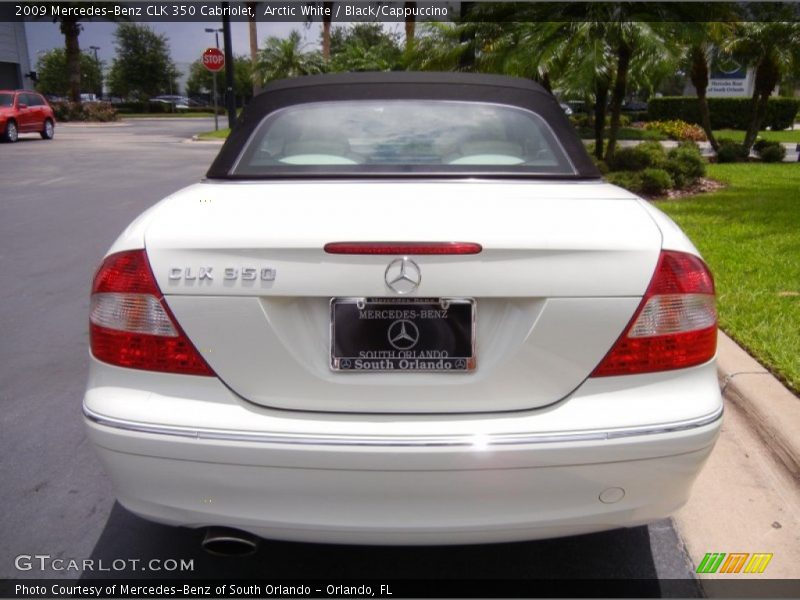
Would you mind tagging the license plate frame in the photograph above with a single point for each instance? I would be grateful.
(404, 335)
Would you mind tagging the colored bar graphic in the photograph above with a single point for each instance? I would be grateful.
(710, 562)
(758, 562)
(713, 562)
(734, 563)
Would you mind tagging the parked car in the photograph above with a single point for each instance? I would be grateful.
(179, 102)
(22, 111)
(403, 308)
(634, 106)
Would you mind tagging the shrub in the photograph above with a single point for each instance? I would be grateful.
(690, 146)
(655, 181)
(636, 158)
(85, 111)
(629, 180)
(678, 130)
(685, 165)
(730, 151)
(761, 143)
(726, 113)
(773, 152)
(656, 155)
(600, 164)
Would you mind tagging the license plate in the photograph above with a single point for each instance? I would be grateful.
(408, 335)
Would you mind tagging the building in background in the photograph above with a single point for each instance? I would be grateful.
(185, 69)
(14, 62)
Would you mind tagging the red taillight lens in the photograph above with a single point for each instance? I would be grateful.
(403, 248)
(131, 326)
(675, 325)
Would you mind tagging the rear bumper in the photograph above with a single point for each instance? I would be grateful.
(404, 491)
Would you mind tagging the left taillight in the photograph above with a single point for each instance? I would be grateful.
(131, 326)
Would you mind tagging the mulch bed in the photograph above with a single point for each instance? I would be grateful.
(701, 186)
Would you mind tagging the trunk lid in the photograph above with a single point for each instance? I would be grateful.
(562, 271)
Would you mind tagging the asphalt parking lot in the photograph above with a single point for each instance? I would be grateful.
(63, 203)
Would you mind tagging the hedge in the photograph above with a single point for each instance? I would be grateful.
(726, 113)
(84, 111)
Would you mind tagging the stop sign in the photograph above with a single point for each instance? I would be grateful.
(213, 59)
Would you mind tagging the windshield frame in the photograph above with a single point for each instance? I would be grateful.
(404, 85)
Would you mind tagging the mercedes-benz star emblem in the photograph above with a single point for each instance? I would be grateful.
(403, 275)
(403, 334)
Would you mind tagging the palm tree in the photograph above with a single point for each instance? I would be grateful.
(771, 48)
(327, 17)
(364, 47)
(71, 29)
(253, 31)
(637, 45)
(284, 57)
(700, 38)
(436, 48)
(411, 25)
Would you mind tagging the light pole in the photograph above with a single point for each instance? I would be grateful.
(99, 70)
(214, 76)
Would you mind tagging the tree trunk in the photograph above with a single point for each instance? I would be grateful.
(71, 30)
(254, 48)
(326, 30)
(767, 76)
(601, 97)
(618, 96)
(466, 61)
(699, 76)
(411, 26)
(544, 81)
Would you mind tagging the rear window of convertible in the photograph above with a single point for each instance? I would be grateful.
(402, 136)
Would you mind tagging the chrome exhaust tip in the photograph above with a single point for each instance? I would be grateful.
(222, 541)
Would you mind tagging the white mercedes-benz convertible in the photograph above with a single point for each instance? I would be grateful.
(403, 308)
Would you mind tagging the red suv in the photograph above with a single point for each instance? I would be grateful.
(25, 112)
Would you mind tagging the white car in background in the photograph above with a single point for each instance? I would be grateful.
(403, 308)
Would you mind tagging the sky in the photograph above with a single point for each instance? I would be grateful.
(186, 40)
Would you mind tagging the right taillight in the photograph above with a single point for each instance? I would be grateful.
(675, 325)
(131, 326)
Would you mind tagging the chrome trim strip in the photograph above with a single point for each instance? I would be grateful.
(510, 439)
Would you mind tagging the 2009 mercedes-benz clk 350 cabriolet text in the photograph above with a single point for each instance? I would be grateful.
(403, 308)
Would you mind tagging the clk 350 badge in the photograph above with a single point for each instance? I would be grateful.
(227, 274)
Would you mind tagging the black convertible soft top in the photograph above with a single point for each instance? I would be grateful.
(403, 85)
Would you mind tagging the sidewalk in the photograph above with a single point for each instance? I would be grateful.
(747, 497)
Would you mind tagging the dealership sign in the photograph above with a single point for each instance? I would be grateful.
(729, 77)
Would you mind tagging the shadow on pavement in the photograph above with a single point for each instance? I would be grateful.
(618, 554)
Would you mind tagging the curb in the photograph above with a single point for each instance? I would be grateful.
(91, 124)
(196, 138)
(773, 410)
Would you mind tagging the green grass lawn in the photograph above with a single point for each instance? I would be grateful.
(214, 135)
(750, 235)
(790, 135)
